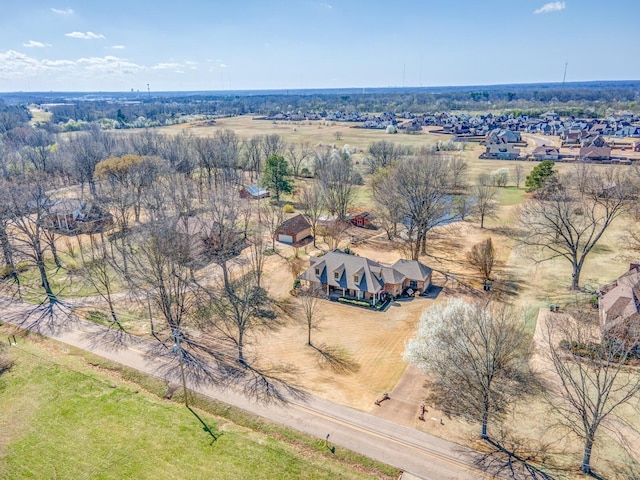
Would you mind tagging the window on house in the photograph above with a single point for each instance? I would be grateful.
(413, 284)
(317, 271)
(336, 275)
(356, 278)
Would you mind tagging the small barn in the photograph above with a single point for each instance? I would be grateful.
(254, 192)
(364, 220)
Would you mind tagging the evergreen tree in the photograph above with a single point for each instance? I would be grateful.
(277, 176)
(539, 174)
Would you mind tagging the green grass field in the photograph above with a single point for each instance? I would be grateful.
(511, 196)
(61, 418)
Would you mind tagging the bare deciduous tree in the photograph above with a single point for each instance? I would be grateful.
(271, 217)
(518, 174)
(334, 232)
(240, 307)
(592, 376)
(253, 156)
(458, 170)
(563, 222)
(273, 145)
(297, 154)
(486, 204)
(383, 154)
(338, 182)
(99, 272)
(476, 355)
(482, 257)
(29, 214)
(312, 205)
(311, 303)
(417, 191)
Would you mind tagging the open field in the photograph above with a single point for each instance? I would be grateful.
(63, 418)
(39, 115)
(322, 133)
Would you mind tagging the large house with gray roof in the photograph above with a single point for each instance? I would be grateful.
(346, 275)
(619, 307)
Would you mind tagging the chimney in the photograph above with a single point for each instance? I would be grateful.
(634, 265)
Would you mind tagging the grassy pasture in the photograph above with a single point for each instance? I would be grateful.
(62, 418)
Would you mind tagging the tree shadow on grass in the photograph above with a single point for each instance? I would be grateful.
(337, 359)
(514, 458)
(207, 363)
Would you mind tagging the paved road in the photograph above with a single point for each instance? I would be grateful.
(424, 456)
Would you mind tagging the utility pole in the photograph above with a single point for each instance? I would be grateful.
(149, 90)
(564, 77)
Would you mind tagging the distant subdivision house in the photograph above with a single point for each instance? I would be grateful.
(504, 136)
(595, 154)
(619, 308)
(342, 274)
(502, 151)
(254, 192)
(294, 230)
(72, 215)
(546, 153)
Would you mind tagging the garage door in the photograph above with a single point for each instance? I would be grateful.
(285, 238)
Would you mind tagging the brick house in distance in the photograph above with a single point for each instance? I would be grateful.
(619, 307)
(294, 230)
(351, 276)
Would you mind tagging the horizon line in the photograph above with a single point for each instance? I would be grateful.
(297, 89)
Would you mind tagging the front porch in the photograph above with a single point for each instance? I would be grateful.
(334, 293)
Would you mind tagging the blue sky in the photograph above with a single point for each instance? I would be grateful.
(95, 45)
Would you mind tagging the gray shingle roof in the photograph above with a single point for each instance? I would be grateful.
(412, 269)
(340, 270)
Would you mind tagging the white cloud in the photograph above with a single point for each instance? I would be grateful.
(167, 66)
(551, 7)
(66, 11)
(326, 5)
(16, 65)
(34, 44)
(85, 36)
(118, 47)
(222, 65)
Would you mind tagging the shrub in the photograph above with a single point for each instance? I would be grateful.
(288, 208)
(361, 303)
